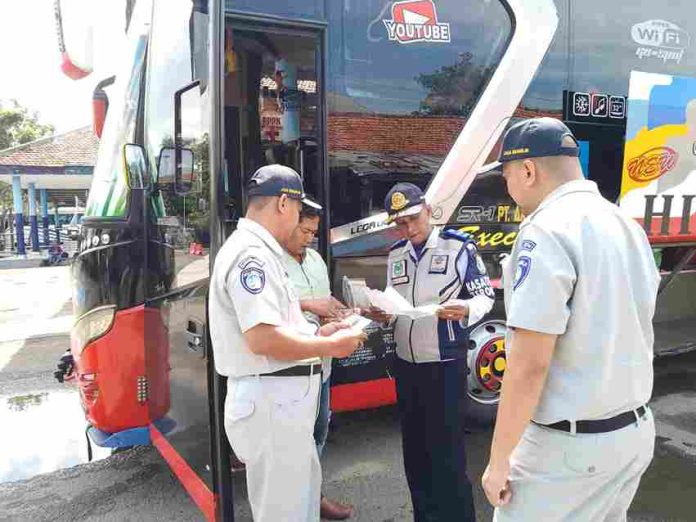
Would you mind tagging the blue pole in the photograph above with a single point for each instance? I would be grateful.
(33, 223)
(19, 213)
(57, 223)
(44, 215)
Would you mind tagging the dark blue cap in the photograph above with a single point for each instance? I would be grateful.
(404, 199)
(536, 138)
(276, 180)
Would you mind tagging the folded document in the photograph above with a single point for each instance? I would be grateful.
(390, 300)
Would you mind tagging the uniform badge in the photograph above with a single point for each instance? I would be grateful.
(398, 272)
(398, 201)
(398, 268)
(253, 279)
(524, 265)
(528, 245)
(438, 264)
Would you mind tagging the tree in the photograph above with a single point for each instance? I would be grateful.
(17, 126)
(453, 89)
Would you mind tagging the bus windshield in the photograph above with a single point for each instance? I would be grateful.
(108, 197)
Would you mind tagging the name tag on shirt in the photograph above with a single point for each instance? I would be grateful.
(438, 264)
(400, 280)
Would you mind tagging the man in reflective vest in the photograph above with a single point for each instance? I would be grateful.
(434, 266)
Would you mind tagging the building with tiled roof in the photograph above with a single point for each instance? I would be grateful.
(63, 164)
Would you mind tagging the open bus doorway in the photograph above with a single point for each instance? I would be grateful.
(272, 103)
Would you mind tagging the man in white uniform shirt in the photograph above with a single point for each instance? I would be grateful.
(268, 351)
(310, 278)
(573, 434)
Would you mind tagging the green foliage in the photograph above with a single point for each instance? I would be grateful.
(18, 125)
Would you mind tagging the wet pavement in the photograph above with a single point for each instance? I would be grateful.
(43, 474)
(48, 434)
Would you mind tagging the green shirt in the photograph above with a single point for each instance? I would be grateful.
(310, 280)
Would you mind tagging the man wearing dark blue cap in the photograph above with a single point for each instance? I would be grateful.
(270, 353)
(434, 266)
(573, 434)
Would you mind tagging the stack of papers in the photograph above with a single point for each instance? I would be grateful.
(390, 300)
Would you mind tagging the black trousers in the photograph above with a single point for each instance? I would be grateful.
(432, 401)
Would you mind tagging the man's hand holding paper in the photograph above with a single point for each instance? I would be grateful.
(453, 310)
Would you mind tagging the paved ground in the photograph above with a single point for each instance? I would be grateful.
(44, 475)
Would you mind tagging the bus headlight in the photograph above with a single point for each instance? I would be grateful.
(93, 325)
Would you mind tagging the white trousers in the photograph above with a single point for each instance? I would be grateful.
(556, 476)
(270, 424)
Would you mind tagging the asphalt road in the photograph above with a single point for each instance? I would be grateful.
(44, 476)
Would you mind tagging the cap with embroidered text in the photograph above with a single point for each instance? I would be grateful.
(536, 138)
(276, 180)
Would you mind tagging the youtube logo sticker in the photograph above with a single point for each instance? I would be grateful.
(416, 21)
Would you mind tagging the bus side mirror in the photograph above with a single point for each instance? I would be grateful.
(178, 170)
(136, 166)
(100, 105)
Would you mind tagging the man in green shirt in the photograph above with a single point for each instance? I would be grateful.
(310, 278)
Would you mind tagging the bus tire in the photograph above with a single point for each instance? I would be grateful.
(486, 365)
(480, 417)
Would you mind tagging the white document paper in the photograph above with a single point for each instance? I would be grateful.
(393, 303)
(358, 321)
(358, 294)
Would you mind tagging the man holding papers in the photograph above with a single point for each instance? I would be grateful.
(310, 279)
(440, 276)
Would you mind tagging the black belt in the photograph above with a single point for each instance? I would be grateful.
(600, 426)
(301, 370)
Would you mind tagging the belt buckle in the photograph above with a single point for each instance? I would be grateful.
(573, 430)
(638, 415)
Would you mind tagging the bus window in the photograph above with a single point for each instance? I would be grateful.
(108, 196)
(544, 97)
(610, 39)
(176, 118)
(398, 101)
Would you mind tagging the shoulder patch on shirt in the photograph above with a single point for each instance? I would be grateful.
(524, 265)
(253, 279)
(398, 244)
(528, 245)
(453, 233)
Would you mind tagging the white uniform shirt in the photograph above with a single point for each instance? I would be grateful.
(311, 281)
(448, 267)
(584, 271)
(249, 286)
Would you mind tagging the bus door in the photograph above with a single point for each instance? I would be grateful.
(273, 112)
(273, 108)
